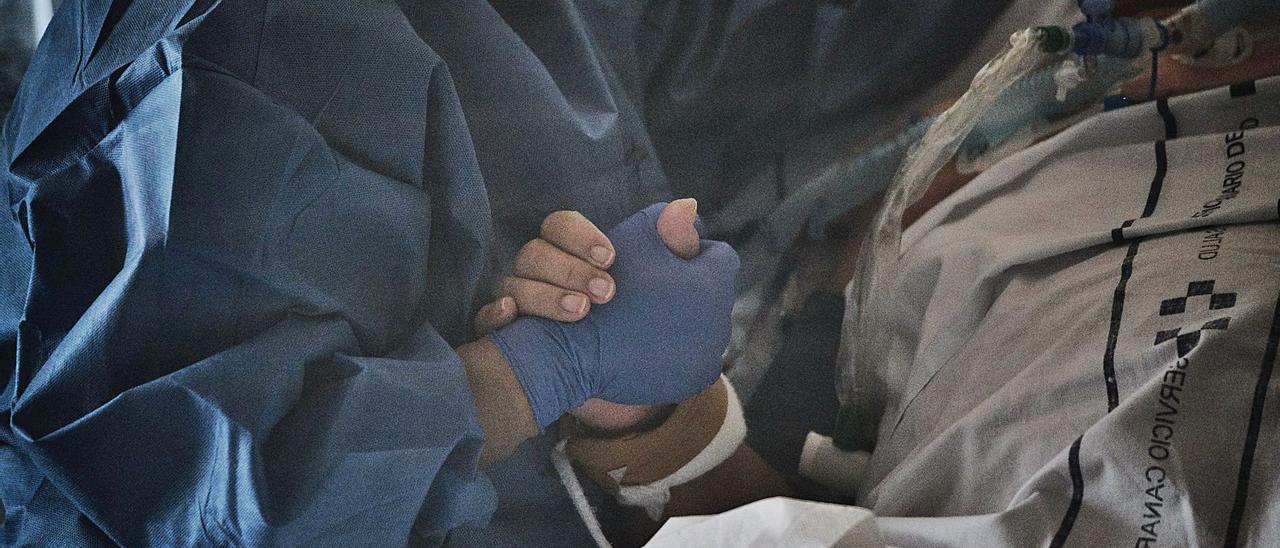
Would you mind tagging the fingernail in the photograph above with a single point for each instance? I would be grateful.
(601, 288)
(573, 303)
(601, 255)
(504, 306)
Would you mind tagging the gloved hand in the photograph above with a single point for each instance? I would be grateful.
(659, 340)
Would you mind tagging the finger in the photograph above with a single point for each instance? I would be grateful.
(570, 231)
(542, 261)
(675, 226)
(494, 315)
(535, 298)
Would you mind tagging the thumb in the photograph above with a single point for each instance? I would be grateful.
(675, 226)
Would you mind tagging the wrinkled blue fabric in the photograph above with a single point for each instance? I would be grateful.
(229, 340)
(241, 238)
(658, 341)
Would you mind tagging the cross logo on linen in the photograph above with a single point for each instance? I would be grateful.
(1178, 305)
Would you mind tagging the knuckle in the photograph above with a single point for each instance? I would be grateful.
(532, 297)
(576, 273)
(529, 256)
(529, 248)
(511, 287)
(558, 219)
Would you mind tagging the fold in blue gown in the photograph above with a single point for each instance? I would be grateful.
(243, 237)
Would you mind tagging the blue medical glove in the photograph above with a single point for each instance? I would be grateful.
(659, 340)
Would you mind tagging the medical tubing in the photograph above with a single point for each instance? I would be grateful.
(813, 208)
(870, 170)
(861, 382)
(573, 487)
(1118, 38)
(1034, 99)
(1126, 37)
(1122, 37)
(1054, 39)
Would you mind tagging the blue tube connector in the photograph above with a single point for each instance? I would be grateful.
(1121, 38)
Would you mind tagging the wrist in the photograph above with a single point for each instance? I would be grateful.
(641, 468)
(545, 364)
(604, 419)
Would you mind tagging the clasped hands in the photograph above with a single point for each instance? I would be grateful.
(610, 327)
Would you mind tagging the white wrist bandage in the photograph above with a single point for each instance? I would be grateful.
(641, 469)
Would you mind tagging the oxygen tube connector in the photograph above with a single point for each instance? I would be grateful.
(1123, 38)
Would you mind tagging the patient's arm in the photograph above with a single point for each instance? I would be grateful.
(742, 479)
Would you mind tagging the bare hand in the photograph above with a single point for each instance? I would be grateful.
(557, 276)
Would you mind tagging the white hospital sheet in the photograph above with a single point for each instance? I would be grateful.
(1088, 336)
(773, 522)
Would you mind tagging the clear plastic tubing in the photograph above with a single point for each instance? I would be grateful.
(862, 381)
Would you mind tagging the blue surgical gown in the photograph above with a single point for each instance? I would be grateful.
(243, 237)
